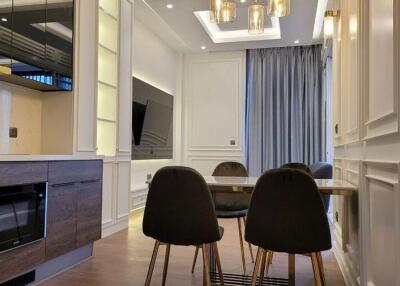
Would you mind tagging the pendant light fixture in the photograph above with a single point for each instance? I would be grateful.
(222, 11)
(256, 18)
(278, 8)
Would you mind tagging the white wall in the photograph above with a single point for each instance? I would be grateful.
(214, 102)
(161, 66)
(21, 108)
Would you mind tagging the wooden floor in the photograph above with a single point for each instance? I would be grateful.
(123, 258)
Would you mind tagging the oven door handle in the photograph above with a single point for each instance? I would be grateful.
(62, 185)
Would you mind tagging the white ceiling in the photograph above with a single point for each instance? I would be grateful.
(181, 28)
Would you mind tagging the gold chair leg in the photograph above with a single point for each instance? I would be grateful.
(316, 270)
(250, 248)
(195, 258)
(206, 265)
(217, 258)
(262, 270)
(292, 270)
(152, 263)
(165, 271)
(269, 255)
(256, 267)
(321, 268)
(241, 245)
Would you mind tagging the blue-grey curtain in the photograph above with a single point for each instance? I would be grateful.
(285, 108)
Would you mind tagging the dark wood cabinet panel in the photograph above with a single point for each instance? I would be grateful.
(61, 219)
(19, 173)
(74, 171)
(21, 259)
(89, 200)
(74, 209)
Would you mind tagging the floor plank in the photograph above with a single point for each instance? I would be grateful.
(122, 259)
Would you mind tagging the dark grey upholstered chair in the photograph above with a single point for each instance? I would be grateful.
(297, 166)
(180, 211)
(286, 214)
(323, 170)
(230, 205)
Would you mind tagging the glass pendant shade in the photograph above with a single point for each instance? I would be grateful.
(256, 19)
(222, 11)
(278, 8)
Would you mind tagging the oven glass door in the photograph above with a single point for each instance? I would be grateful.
(22, 214)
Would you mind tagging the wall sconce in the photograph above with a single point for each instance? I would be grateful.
(329, 23)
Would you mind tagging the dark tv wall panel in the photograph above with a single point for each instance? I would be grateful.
(152, 122)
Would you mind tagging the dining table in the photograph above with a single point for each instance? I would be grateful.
(335, 187)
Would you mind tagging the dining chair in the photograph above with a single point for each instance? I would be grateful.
(286, 214)
(323, 170)
(298, 166)
(231, 205)
(180, 211)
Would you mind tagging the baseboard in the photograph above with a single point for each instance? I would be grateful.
(62, 263)
(114, 228)
(345, 266)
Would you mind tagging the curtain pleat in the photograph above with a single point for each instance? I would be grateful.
(284, 107)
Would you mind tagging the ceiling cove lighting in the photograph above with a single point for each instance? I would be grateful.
(222, 11)
(278, 8)
(329, 23)
(256, 18)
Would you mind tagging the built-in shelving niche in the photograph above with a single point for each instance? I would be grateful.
(107, 77)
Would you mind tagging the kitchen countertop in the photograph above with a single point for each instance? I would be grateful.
(21, 158)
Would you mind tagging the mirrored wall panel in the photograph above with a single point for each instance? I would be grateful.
(36, 43)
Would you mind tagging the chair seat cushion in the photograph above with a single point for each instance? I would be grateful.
(231, 214)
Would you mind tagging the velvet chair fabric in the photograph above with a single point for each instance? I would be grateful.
(286, 214)
(231, 205)
(323, 170)
(298, 166)
(179, 208)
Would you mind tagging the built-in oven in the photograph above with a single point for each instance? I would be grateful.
(23, 212)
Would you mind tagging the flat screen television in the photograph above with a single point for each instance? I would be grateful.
(152, 122)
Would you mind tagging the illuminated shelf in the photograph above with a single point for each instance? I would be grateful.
(107, 78)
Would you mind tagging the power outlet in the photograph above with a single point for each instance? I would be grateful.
(13, 132)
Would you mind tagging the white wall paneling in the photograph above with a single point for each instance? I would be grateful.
(85, 76)
(381, 36)
(214, 95)
(125, 86)
(114, 110)
(367, 152)
(381, 223)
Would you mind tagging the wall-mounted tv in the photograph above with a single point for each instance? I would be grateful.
(36, 43)
(152, 122)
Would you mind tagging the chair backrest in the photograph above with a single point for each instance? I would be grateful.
(321, 170)
(230, 201)
(297, 166)
(286, 214)
(179, 208)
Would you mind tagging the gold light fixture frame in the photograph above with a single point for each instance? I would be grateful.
(278, 8)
